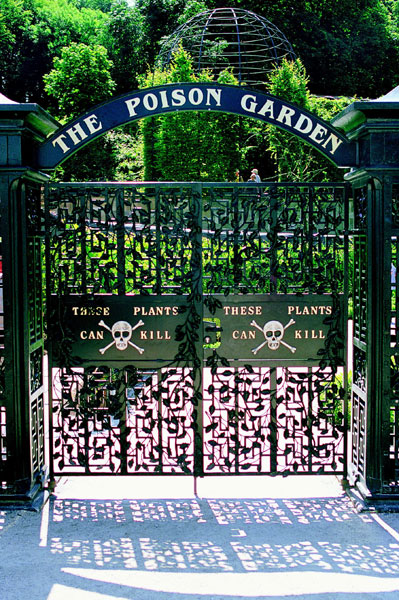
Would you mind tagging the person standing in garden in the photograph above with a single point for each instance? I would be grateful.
(237, 177)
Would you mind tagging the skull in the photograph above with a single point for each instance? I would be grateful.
(273, 332)
(121, 332)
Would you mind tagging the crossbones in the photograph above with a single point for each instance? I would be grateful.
(121, 331)
(273, 332)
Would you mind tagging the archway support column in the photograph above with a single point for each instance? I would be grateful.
(374, 458)
(22, 392)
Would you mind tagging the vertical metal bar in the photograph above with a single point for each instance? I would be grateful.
(121, 393)
(347, 274)
(384, 365)
(310, 419)
(373, 262)
(377, 440)
(272, 247)
(86, 449)
(236, 424)
(273, 421)
(197, 293)
(158, 257)
(18, 242)
(309, 231)
(49, 308)
(120, 241)
(235, 222)
(11, 342)
(162, 377)
(83, 241)
(273, 240)
(121, 286)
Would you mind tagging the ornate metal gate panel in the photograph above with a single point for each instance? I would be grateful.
(22, 389)
(197, 328)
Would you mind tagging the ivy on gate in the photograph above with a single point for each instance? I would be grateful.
(198, 412)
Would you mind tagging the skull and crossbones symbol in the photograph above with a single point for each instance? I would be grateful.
(273, 332)
(121, 332)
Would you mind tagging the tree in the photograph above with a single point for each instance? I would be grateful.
(190, 146)
(296, 160)
(348, 47)
(160, 19)
(15, 46)
(192, 8)
(127, 45)
(103, 5)
(80, 78)
(32, 33)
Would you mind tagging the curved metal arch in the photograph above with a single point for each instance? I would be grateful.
(202, 37)
(264, 24)
(238, 44)
(244, 31)
(193, 97)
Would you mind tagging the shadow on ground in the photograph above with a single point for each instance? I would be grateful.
(192, 549)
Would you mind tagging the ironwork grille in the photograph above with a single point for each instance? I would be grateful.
(360, 304)
(22, 406)
(34, 268)
(392, 480)
(3, 409)
(199, 412)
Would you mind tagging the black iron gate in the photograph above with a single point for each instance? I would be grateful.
(197, 328)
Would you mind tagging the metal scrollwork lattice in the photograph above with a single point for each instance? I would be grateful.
(200, 242)
(277, 239)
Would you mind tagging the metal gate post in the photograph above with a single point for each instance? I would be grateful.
(22, 436)
(374, 126)
(198, 348)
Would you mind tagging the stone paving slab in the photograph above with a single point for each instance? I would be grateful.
(301, 541)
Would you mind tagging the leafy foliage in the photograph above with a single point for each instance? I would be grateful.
(32, 33)
(126, 40)
(64, 82)
(161, 18)
(347, 47)
(190, 146)
(192, 8)
(295, 160)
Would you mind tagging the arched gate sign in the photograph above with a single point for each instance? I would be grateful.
(196, 97)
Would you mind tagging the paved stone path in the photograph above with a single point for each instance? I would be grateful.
(301, 541)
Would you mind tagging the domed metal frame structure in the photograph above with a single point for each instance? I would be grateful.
(230, 37)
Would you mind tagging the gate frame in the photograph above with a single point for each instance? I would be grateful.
(371, 132)
(374, 127)
(22, 128)
(76, 204)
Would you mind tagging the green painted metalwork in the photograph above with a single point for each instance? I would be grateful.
(202, 412)
(22, 435)
(116, 252)
(373, 458)
(173, 98)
